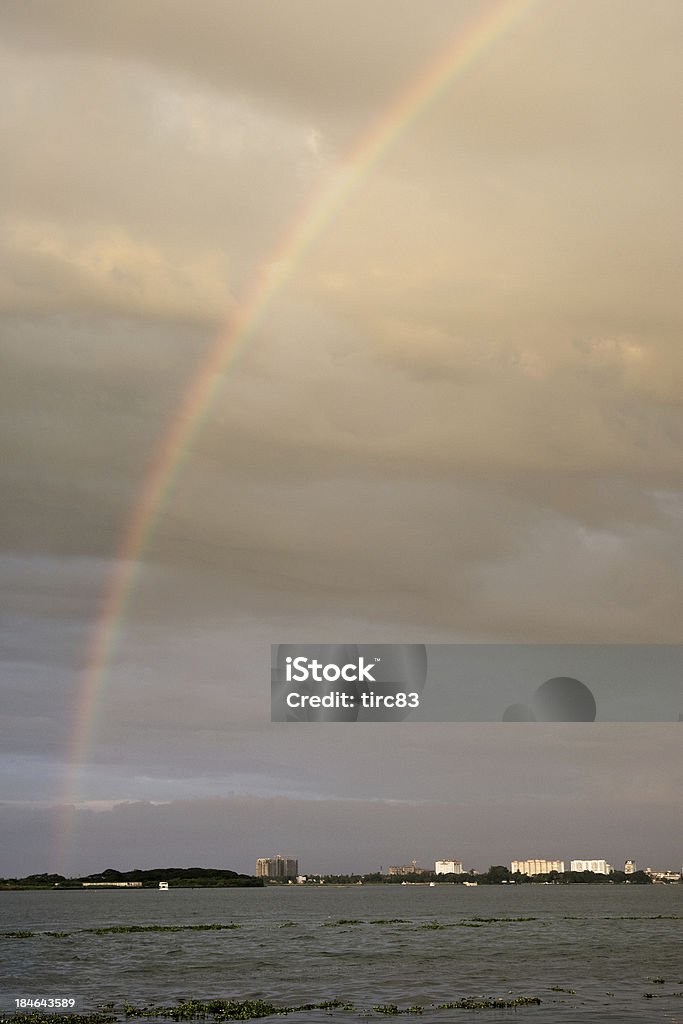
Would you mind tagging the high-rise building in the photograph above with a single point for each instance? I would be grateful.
(448, 867)
(536, 866)
(598, 867)
(407, 869)
(630, 867)
(278, 866)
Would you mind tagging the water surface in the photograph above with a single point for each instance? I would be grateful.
(608, 945)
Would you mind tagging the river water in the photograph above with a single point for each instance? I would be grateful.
(590, 953)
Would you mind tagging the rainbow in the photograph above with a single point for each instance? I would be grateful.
(461, 52)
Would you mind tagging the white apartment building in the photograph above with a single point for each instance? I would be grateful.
(630, 867)
(448, 867)
(536, 866)
(598, 867)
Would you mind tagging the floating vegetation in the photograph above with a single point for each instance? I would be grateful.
(499, 921)
(329, 1004)
(252, 1009)
(470, 1003)
(478, 922)
(58, 1018)
(388, 920)
(569, 991)
(391, 1010)
(226, 1009)
(219, 1009)
(435, 925)
(287, 924)
(120, 929)
(342, 921)
(657, 981)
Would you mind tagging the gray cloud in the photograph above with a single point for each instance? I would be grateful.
(460, 419)
(336, 835)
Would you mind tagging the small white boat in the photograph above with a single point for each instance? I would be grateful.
(163, 886)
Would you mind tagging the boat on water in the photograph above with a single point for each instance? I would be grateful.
(163, 886)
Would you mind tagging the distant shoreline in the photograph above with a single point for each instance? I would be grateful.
(223, 878)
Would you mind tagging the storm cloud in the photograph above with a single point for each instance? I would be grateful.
(459, 420)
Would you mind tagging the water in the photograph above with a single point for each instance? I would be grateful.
(607, 943)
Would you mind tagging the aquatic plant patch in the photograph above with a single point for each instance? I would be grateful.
(480, 922)
(119, 929)
(124, 929)
(218, 1010)
(484, 1003)
(59, 1018)
(391, 1010)
(225, 1009)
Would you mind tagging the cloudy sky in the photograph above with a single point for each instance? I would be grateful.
(459, 420)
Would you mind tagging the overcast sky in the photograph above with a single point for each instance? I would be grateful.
(460, 420)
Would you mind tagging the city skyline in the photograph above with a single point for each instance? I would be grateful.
(281, 868)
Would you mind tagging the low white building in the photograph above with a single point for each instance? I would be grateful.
(663, 876)
(598, 867)
(448, 867)
(536, 866)
(112, 885)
